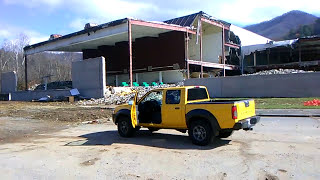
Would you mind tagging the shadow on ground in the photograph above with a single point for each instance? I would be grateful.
(144, 138)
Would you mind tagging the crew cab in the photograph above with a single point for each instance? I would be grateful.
(187, 108)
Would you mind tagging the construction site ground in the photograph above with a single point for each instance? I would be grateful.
(63, 141)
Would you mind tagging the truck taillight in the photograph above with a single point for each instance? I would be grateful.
(234, 112)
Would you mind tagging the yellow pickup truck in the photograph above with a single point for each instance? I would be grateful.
(187, 108)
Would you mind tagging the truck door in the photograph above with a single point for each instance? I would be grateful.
(134, 117)
(173, 110)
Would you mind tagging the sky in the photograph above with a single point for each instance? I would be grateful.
(40, 18)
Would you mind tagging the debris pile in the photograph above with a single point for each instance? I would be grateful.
(121, 95)
(278, 71)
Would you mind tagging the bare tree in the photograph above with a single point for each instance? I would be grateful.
(39, 65)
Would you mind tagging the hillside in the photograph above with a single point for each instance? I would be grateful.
(279, 27)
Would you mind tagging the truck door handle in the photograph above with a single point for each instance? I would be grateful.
(176, 108)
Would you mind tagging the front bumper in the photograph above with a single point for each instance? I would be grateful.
(247, 124)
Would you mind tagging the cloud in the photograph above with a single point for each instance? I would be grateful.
(251, 11)
(235, 11)
(9, 32)
(239, 12)
(34, 3)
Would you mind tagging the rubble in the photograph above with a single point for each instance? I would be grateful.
(277, 71)
(121, 95)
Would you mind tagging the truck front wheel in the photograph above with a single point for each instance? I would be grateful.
(125, 128)
(200, 132)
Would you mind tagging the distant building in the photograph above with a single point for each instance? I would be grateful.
(301, 53)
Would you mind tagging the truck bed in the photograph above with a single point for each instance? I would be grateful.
(222, 110)
(212, 101)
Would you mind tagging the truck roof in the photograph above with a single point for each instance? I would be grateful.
(181, 87)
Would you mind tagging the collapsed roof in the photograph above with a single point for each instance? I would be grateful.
(304, 41)
(116, 31)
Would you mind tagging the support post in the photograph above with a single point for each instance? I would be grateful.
(268, 56)
(187, 55)
(130, 50)
(223, 52)
(299, 53)
(117, 80)
(160, 77)
(201, 48)
(254, 58)
(137, 78)
(242, 63)
(26, 72)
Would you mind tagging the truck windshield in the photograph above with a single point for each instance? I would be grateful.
(197, 93)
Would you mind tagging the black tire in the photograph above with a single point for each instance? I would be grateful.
(137, 128)
(225, 134)
(200, 132)
(125, 128)
(152, 129)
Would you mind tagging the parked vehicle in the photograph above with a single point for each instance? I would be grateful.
(187, 108)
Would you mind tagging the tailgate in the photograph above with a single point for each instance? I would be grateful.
(245, 109)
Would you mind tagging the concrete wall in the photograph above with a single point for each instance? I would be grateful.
(89, 77)
(173, 76)
(35, 95)
(9, 82)
(283, 85)
(211, 44)
(169, 76)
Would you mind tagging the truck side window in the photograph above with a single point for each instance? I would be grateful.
(173, 97)
(197, 93)
(155, 96)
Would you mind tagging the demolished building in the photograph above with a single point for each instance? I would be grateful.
(302, 53)
(135, 51)
(138, 51)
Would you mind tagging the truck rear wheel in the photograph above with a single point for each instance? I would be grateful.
(125, 128)
(225, 134)
(200, 132)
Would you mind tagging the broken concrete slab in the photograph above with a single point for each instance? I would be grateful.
(9, 82)
(89, 77)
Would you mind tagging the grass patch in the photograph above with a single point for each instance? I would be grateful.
(279, 103)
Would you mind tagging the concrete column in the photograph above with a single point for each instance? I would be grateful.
(117, 80)
(160, 76)
(9, 82)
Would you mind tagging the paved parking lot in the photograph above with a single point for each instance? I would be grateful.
(277, 148)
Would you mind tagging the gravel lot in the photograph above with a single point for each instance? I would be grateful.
(277, 148)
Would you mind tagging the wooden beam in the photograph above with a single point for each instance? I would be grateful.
(130, 50)
(161, 26)
(212, 65)
(236, 46)
(187, 55)
(201, 68)
(218, 24)
(223, 52)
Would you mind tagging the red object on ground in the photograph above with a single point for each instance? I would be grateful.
(315, 102)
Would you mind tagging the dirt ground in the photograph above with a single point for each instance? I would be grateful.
(45, 147)
(25, 119)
